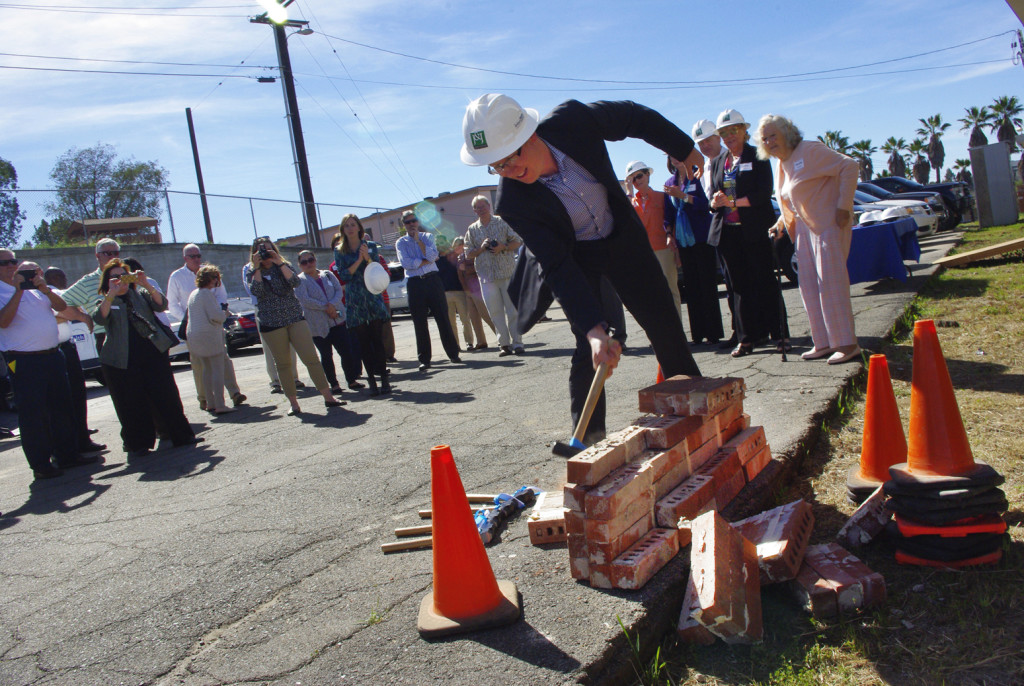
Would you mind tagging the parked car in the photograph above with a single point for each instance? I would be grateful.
(919, 211)
(398, 291)
(939, 205)
(240, 329)
(956, 193)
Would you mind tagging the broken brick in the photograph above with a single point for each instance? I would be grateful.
(688, 628)
(849, 582)
(691, 395)
(639, 563)
(547, 525)
(867, 521)
(688, 500)
(781, 536)
(572, 496)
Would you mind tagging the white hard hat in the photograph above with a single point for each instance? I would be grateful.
(705, 128)
(893, 213)
(635, 166)
(872, 217)
(376, 278)
(494, 127)
(730, 118)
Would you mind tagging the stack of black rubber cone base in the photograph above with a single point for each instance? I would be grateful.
(858, 487)
(946, 521)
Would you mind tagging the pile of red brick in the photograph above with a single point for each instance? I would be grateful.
(626, 494)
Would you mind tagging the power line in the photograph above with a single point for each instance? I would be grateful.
(108, 61)
(141, 11)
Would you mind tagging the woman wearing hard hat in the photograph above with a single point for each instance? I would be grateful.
(815, 191)
(650, 205)
(365, 310)
(741, 187)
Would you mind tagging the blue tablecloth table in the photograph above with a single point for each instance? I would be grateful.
(878, 251)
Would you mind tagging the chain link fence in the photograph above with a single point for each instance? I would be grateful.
(233, 219)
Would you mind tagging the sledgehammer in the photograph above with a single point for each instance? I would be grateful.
(575, 444)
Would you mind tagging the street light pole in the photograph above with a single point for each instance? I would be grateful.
(291, 107)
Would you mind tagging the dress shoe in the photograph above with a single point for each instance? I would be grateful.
(518, 350)
(238, 399)
(79, 461)
(137, 454)
(817, 353)
(276, 388)
(505, 351)
(336, 390)
(392, 359)
(455, 360)
(481, 346)
(355, 386)
(190, 441)
(222, 410)
(92, 447)
(335, 403)
(469, 347)
(48, 472)
(299, 384)
(93, 431)
(839, 357)
(424, 366)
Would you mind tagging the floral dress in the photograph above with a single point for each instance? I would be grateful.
(361, 306)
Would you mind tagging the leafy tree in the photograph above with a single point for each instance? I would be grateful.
(835, 140)
(51, 233)
(948, 177)
(93, 184)
(11, 214)
(920, 168)
(976, 119)
(932, 128)
(895, 147)
(862, 151)
(963, 171)
(1006, 111)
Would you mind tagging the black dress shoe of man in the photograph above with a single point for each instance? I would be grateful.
(92, 447)
(48, 472)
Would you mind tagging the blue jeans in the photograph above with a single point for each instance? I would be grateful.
(46, 416)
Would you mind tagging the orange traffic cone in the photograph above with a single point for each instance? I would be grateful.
(937, 444)
(660, 377)
(466, 595)
(884, 443)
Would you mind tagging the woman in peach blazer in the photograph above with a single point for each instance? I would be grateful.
(815, 187)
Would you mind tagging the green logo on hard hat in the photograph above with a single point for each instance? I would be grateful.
(727, 117)
(700, 132)
(478, 139)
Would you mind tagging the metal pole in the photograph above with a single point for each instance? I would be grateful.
(199, 175)
(167, 199)
(298, 144)
(253, 213)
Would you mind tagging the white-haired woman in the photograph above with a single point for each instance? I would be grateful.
(815, 189)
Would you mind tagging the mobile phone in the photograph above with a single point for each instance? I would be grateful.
(29, 275)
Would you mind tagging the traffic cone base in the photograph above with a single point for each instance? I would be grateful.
(980, 474)
(895, 490)
(432, 625)
(990, 559)
(981, 524)
(859, 487)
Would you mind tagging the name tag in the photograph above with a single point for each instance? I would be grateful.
(690, 187)
(115, 307)
(798, 165)
(747, 166)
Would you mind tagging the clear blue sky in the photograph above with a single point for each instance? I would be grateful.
(384, 129)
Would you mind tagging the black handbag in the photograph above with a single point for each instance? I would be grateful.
(183, 327)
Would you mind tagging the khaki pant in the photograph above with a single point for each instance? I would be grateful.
(227, 378)
(297, 336)
(667, 260)
(457, 305)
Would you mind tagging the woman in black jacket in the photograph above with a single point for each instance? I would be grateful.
(741, 194)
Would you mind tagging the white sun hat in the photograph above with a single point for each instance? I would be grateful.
(376, 278)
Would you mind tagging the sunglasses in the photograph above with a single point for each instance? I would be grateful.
(7, 263)
(407, 222)
(638, 175)
(308, 260)
(109, 253)
(194, 256)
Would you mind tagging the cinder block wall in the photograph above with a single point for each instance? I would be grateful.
(160, 260)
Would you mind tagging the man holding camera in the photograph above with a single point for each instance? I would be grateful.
(493, 244)
(82, 293)
(29, 339)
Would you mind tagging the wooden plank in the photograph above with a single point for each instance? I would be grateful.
(414, 530)
(980, 254)
(408, 544)
(426, 514)
(481, 498)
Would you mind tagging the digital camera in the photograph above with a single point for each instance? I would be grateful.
(129, 278)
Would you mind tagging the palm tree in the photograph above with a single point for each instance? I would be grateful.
(963, 171)
(863, 150)
(933, 127)
(921, 166)
(895, 147)
(976, 119)
(835, 140)
(1006, 119)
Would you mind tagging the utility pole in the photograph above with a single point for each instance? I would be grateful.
(291, 106)
(199, 177)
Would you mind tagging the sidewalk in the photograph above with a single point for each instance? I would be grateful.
(255, 558)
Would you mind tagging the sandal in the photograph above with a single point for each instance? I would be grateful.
(743, 349)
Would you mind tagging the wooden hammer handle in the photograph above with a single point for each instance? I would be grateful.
(592, 397)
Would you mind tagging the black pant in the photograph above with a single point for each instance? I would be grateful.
(371, 347)
(627, 261)
(700, 282)
(79, 399)
(426, 297)
(757, 299)
(146, 388)
(45, 412)
(338, 338)
(613, 312)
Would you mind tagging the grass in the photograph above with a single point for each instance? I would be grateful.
(937, 626)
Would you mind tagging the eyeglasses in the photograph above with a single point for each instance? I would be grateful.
(407, 222)
(499, 167)
(7, 263)
(732, 130)
(308, 260)
(109, 253)
(194, 256)
(638, 175)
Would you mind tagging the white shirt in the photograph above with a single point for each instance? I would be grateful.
(34, 327)
(179, 286)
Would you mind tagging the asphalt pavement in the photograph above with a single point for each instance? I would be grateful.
(255, 557)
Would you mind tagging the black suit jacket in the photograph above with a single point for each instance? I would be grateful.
(756, 185)
(538, 216)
